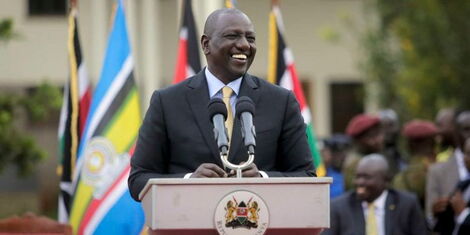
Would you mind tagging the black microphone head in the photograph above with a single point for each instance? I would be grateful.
(245, 104)
(217, 106)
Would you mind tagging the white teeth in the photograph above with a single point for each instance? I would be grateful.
(239, 56)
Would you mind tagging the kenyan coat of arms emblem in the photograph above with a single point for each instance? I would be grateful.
(241, 212)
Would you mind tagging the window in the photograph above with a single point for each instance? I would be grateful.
(47, 7)
(347, 100)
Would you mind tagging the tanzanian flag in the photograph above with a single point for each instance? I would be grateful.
(281, 71)
(102, 203)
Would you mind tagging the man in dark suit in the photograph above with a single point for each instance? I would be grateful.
(374, 208)
(176, 139)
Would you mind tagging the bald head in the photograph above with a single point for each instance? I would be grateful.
(212, 19)
(375, 162)
(371, 177)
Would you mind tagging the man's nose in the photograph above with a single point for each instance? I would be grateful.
(243, 43)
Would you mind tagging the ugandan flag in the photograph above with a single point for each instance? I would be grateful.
(76, 103)
(281, 71)
(102, 203)
(188, 62)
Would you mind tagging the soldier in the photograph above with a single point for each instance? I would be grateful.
(420, 138)
(368, 137)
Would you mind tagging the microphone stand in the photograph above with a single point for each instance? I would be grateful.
(237, 168)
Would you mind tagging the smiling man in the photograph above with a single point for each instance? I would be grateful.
(176, 139)
(373, 207)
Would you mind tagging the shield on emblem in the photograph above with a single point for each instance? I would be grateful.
(242, 212)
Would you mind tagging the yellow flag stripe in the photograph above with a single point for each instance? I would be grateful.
(73, 90)
(272, 53)
(122, 132)
(126, 123)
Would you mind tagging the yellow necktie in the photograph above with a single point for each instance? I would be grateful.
(371, 223)
(226, 94)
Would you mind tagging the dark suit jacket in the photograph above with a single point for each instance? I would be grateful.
(177, 134)
(464, 228)
(402, 216)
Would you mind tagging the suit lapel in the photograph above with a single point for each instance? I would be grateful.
(198, 98)
(358, 215)
(237, 150)
(390, 212)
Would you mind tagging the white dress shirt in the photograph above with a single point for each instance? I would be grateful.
(379, 204)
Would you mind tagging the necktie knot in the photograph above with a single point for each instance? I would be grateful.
(227, 92)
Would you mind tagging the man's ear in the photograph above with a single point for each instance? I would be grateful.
(205, 44)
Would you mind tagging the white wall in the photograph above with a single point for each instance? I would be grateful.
(41, 51)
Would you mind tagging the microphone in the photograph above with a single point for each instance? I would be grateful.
(218, 114)
(245, 111)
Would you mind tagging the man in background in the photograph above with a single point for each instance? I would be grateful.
(442, 177)
(373, 207)
(333, 153)
(420, 140)
(445, 122)
(391, 151)
(367, 136)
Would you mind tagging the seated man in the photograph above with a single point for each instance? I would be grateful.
(373, 207)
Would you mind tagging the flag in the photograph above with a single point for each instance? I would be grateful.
(188, 62)
(102, 203)
(230, 3)
(281, 71)
(76, 103)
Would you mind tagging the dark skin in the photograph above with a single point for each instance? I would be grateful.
(371, 141)
(229, 46)
(371, 178)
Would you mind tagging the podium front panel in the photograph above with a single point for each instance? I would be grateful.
(190, 204)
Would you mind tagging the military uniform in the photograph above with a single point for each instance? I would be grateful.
(413, 178)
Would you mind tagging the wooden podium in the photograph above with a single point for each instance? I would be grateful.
(237, 205)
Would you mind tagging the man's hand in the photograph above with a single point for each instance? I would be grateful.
(209, 170)
(251, 171)
(440, 205)
(457, 202)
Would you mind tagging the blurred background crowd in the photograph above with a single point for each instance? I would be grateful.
(427, 158)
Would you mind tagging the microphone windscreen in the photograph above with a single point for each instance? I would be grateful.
(217, 106)
(245, 104)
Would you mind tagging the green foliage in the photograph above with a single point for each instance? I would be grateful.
(6, 30)
(15, 147)
(418, 53)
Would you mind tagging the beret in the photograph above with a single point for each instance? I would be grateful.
(417, 129)
(361, 123)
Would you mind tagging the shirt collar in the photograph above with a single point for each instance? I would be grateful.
(215, 85)
(379, 202)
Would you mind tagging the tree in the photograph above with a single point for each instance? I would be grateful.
(16, 147)
(418, 53)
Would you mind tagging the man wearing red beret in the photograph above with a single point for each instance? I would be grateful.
(368, 137)
(420, 137)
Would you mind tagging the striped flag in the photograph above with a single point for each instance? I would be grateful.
(76, 103)
(281, 71)
(188, 62)
(102, 203)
